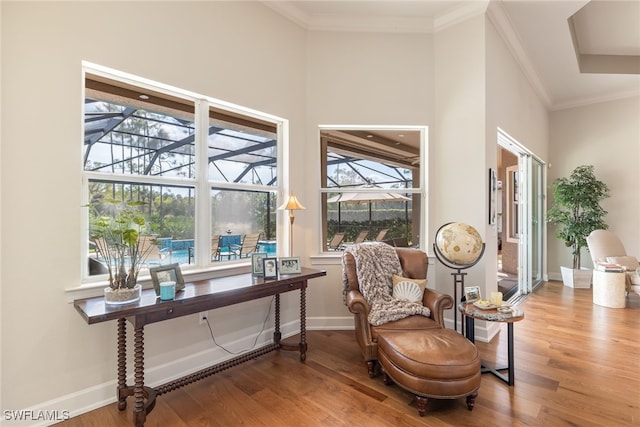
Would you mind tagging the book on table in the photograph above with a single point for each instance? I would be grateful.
(610, 268)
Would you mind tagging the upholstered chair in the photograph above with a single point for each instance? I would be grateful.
(606, 247)
(414, 265)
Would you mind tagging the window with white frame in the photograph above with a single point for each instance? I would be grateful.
(203, 173)
(372, 185)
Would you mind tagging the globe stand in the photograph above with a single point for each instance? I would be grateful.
(458, 279)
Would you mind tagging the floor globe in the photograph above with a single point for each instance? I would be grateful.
(459, 244)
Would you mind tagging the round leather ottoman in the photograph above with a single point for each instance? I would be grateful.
(437, 363)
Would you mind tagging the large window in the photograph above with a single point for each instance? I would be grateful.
(203, 173)
(371, 186)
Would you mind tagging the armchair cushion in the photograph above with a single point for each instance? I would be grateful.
(408, 289)
(376, 263)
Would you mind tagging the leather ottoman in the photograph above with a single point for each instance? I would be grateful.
(437, 363)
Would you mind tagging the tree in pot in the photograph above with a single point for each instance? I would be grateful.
(576, 212)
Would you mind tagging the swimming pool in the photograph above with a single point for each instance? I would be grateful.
(181, 256)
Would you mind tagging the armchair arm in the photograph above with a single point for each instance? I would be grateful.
(357, 304)
(360, 308)
(437, 302)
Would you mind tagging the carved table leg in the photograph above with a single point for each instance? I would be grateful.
(303, 322)
(277, 336)
(138, 389)
(122, 364)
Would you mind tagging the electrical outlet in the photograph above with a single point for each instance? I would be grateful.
(202, 317)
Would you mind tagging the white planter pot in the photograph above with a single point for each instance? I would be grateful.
(576, 278)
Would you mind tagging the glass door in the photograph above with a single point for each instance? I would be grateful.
(527, 183)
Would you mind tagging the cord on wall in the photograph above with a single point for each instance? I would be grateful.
(255, 342)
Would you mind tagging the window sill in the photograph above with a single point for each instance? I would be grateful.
(327, 258)
(96, 288)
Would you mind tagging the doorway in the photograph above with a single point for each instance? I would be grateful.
(521, 220)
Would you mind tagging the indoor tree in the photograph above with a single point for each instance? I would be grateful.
(576, 211)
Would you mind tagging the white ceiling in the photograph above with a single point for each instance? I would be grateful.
(536, 31)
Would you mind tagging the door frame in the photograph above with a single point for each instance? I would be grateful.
(531, 194)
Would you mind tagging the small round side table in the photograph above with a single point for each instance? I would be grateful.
(471, 312)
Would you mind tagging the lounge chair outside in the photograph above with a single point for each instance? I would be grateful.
(335, 243)
(248, 246)
(361, 236)
(381, 235)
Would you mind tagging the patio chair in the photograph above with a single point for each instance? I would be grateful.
(381, 235)
(249, 245)
(361, 236)
(335, 243)
(149, 248)
(215, 247)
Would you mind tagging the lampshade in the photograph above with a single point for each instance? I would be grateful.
(292, 204)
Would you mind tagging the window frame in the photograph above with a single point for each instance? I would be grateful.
(421, 189)
(203, 105)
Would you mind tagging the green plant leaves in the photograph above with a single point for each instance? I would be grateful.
(576, 211)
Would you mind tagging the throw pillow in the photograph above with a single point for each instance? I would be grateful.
(405, 288)
(628, 262)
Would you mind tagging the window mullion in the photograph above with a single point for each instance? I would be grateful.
(203, 188)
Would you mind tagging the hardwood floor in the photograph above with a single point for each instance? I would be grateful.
(577, 364)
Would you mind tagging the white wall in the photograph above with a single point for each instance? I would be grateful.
(607, 136)
(513, 106)
(358, 79)
(240, 52)
(458, 166)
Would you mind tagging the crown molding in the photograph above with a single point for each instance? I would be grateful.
(289, 11)
(583, 102)
(378, 24)
(504, 27)
(373, 24)
(459, 14)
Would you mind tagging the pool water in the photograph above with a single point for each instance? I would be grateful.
(181, 256)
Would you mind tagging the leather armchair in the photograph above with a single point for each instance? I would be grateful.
(414, 265)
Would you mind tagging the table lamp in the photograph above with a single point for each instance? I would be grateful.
(292, 204)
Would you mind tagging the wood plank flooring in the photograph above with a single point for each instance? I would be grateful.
(577, 364)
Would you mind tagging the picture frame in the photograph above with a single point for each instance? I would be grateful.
(493, 190)
(472, 294)
(289, 265)
(257, 267)
(270, 267)
(166, 273)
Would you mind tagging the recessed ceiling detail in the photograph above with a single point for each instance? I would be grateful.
(606, 37)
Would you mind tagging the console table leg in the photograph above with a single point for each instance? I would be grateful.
(510, 353)
(303, 322)
(277, 336)
(138, 389)
(122, 364)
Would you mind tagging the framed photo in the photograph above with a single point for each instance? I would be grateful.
(472, 293)
(166, 273)
(493, 190)
(257, 268)
(290, 265)
(270, 267)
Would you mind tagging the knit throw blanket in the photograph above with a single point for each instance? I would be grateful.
(376, 263)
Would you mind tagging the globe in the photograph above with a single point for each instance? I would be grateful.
(459, 243)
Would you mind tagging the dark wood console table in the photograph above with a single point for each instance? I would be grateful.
(196, 297)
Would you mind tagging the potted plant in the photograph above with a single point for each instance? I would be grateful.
(116, 230)
(576, 212)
